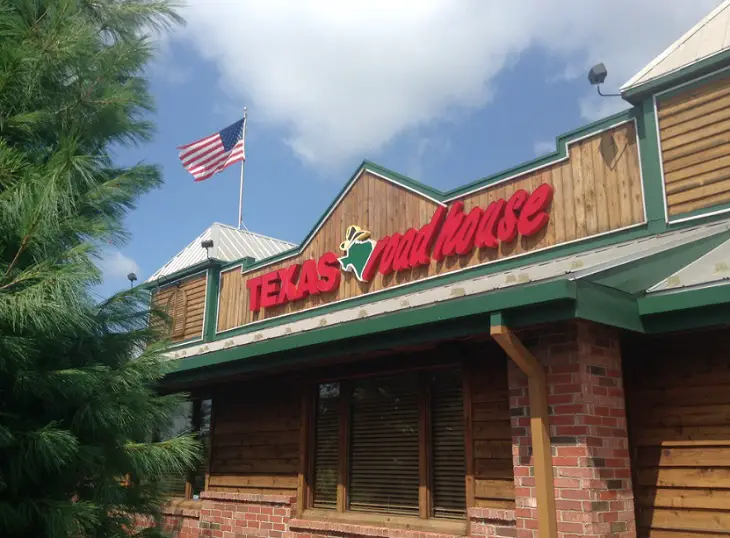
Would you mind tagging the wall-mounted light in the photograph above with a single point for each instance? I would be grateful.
(596, 76)
(132, 279)
(207, 244)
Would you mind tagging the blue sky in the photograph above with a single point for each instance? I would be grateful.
(444, 117)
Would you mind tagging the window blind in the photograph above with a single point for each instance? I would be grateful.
(384, 445)
(447, 437)
(325, 446)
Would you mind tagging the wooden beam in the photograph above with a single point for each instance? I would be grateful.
(305, 456)
(539, 427)
(344, 444)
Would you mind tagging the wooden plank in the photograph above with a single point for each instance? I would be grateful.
(469, 443)
(701, 203)
(493, 468)
(494, 489)
(487, 411)
(258, 426)
(498, 504)
(680, 435)
(305, 453)
(705, 109)
(604, 202)
(691, 520)
(261, 491)
(696, 144)
(492, 430)
(703, 499)
(493, 449)
(685, 478)
(267, 466)
(664, 533)
(692, 98)
(424, 452)
(256, 481)
(679, 396)
(695, 182)
(702, 133)
(685, 416)
(344, 444)
(696, 123)
(539, 427)
(711, 153)
(717, 456)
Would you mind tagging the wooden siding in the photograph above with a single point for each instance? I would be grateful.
(694, 128)
(194, 312)
(255, 440)
(598, 189)
(678, 390)
(491, 433)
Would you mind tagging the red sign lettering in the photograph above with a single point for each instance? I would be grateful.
(449, 233)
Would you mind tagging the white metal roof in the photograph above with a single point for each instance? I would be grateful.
(229, 244)
(572, 267)
(712, 268)
(708, 37)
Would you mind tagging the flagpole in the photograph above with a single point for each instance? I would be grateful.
(243, 164)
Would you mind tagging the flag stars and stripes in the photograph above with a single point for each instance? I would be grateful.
(208, 156)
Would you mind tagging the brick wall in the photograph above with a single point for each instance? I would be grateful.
(239, 515)
(588, 432)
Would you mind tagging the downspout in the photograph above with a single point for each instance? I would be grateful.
(539, 425)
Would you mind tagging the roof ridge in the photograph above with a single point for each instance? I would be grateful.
(252, 233)
(676, 45)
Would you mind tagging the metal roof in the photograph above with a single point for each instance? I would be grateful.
(575, 267)
(229, 244)
(708, 37)
(712, 268)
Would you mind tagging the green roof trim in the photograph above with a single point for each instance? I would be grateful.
(685, 299)
(696, 70)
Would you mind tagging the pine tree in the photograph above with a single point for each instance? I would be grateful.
(78, 406)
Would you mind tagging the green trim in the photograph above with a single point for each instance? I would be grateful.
(497, 319)
(651, 171)
(583, 245)
(440, 312)
(719, 75)
(697, 213)
(440, 196)
(211, 305)
(696, 70)
(696, 318)
(607, 306)
(681, 300)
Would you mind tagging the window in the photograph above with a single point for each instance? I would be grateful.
(193, 416)
(392, 445)
(176, 308)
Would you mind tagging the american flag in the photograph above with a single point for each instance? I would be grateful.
(208, 156)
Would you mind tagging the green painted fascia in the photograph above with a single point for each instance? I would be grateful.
(718, 74)
(561, 152)
(696, 70)
(637, 276)
(179, 275)
(534, 294)
(448, 278)
(211, 304)
(684, 320)
(608, 306)
(679, 300)
(651, 171)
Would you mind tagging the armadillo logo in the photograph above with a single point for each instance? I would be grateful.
(358, 250)
(450, 232)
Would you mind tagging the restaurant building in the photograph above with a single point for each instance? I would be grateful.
(543, 352)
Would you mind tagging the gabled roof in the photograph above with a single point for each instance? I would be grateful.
(229, 244)
(707, 38)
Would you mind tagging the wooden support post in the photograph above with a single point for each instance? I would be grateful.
(539, 426)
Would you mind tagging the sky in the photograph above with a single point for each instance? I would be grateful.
(443, 91)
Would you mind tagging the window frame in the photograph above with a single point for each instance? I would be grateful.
(425, 517)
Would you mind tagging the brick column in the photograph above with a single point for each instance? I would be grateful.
(587, 428)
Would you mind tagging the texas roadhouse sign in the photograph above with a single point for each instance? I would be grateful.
(452, 233)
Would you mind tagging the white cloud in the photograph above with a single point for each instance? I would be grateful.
(115, 265)
(346, 76)
(543, 147)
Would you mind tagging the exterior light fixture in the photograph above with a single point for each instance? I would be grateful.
(596, 76)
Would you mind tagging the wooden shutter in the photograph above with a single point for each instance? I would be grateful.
(326, 445)
(177, 306)
(447, 450)
(384, 445)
